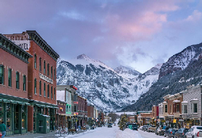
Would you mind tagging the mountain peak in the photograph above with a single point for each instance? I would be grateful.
(82, 56)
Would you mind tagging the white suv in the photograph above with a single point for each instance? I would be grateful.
(194, 132)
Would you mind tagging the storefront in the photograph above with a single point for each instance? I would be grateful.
(13, 111)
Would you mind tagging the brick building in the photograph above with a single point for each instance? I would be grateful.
(82, 111)
(41, 78)
(13, 86)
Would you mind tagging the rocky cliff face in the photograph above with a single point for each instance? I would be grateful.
(106, 88)
(181, 60)
(180, 71)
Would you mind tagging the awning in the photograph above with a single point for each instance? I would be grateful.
(164, 102)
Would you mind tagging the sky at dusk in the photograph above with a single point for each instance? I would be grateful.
(133, 33)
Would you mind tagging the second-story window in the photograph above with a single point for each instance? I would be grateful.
(24, 83)
(51, 92)
(54, 94)
(1, 74)
(17, 80)
(44, 92)
(47, 69)
(54, 74)
(166, 108)
(39, 87)
(44, 67)
(35, 61)
(51, 72)
(35, 83)
(185, 108)
(48, 91)
(177, 108)
(39, 64)
(195, 107)
(9, 77)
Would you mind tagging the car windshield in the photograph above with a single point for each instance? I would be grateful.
(181, 130)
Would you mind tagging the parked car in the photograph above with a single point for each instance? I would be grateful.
(151, 128)
(160, 130)
(144, 128)
(167, 132)
(172, 133)
(109, 125)
(181, 133)
(194, 132)
(133, 126)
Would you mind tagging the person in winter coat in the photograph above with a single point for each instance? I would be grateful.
(3, 129)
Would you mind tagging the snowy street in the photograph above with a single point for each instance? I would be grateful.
(114, 132)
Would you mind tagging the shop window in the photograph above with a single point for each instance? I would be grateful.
(39, 64)
(48, 91)
(1, 111)
(44, 67)
(47, 69)
(23, 117)
(44, 92)
(1, 74)
(9, 77)
(35, 58)
(17, 80)
(24, 83)
(39, 87)
(9, 118)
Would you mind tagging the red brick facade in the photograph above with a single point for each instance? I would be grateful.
(11, 62)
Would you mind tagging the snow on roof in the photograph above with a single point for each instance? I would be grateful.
(164, 102)
(176, 101)
(194, 99)
(184, 102)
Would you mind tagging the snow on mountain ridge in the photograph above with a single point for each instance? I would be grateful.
(100, 84)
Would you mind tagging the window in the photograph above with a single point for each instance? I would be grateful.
(39, 87)
(48, 91)
(51, 92)
(35, 86)
(51, 72)
(185, 108)
(177, 108)
(54, 74)
(35, 61)
(170, 108)
(44, 67)
(47, 69)
(54, 93)
(17, 80)
(166, 108)
(10, 77)
(39, 64)
(24, 83)
(1, 74)
(195, 107)
(44, 92)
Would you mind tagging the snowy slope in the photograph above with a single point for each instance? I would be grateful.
(104, 87)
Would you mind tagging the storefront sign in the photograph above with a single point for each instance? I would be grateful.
(24, 44)
(46, 78)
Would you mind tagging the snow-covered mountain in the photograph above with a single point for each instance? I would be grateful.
(106, 88)
(180, 60)
(180, 71)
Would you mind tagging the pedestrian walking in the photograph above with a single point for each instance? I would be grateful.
(3, 129)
